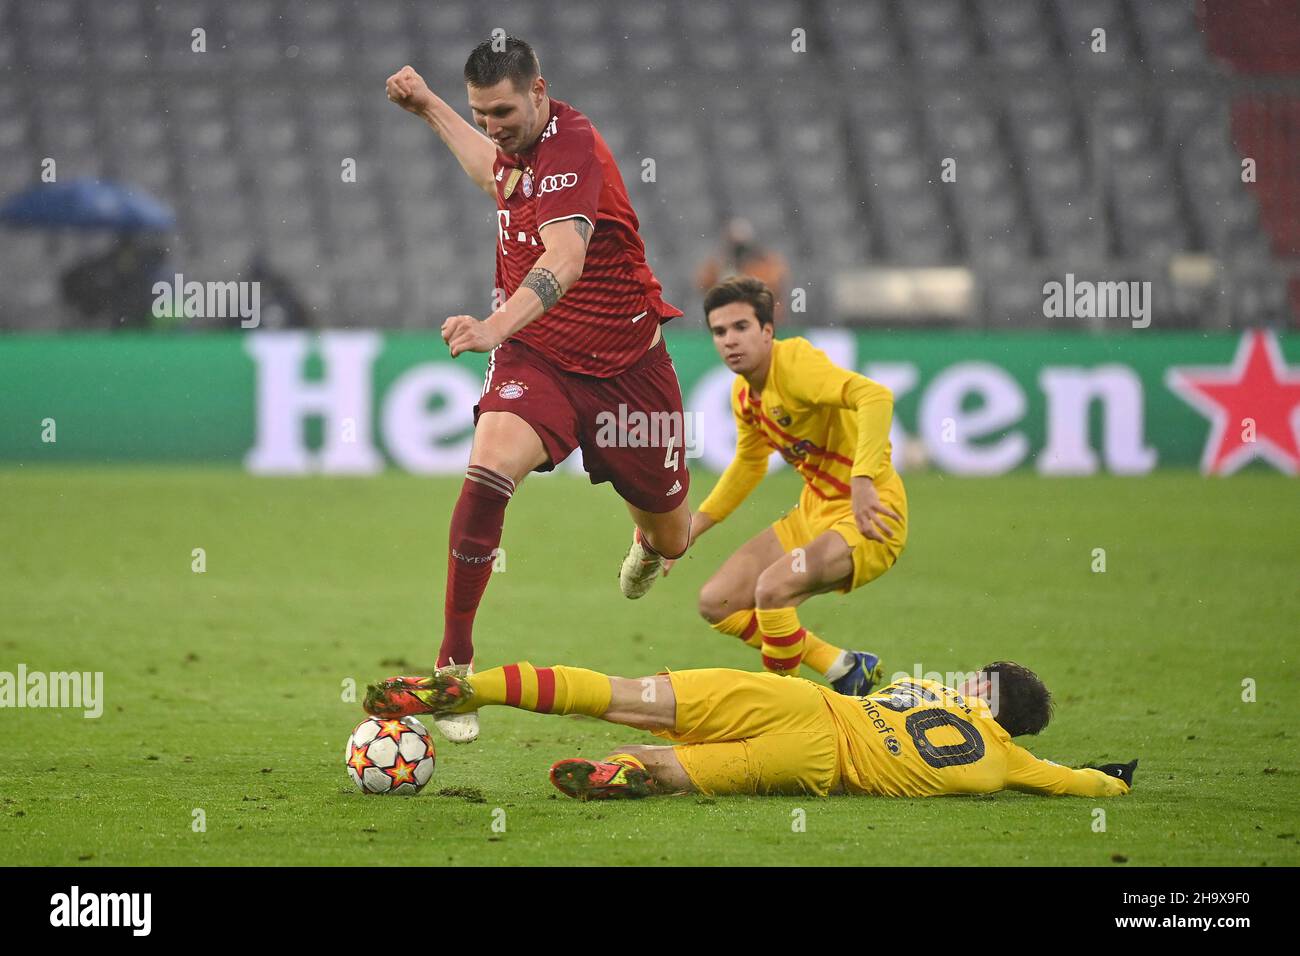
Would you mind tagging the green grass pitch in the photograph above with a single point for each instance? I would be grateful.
(223, 690)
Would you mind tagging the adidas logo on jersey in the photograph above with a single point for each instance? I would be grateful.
(677, 486)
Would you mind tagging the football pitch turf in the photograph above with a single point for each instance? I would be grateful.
(223, 690)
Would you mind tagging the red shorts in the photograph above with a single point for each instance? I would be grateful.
(630, 427)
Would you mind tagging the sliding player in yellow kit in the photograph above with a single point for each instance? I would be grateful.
(743, 733)
(850, 525)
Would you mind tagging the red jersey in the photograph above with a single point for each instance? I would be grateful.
(607, 320)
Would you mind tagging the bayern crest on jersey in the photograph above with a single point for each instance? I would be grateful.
(528, 186)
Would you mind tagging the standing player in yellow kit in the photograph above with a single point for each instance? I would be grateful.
(850, 525)
(743, 733)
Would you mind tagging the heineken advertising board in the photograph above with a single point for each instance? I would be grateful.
(360, 402)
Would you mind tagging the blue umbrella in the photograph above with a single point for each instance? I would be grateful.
(87, 204)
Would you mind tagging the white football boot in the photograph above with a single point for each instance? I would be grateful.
(640, 568)
(458, 728)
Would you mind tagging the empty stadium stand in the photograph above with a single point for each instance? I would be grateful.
(1124, 162)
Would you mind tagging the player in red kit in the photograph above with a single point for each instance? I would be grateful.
(576, 342)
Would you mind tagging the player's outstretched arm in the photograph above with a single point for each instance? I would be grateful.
(1123, 771)
(742, 475)
(473, 150)
(1027, 773)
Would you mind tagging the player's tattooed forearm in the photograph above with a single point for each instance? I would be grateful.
(583, 228)
(543, 282)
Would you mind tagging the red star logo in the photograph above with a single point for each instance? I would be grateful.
(391, 728)
(358, 760)
(401, 772)
(1252, 406)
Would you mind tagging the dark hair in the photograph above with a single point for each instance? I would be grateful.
(495, 60)
(741, 289)
(1021, 702)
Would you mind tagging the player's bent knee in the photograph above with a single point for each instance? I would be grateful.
(714, 604)
(775, 589)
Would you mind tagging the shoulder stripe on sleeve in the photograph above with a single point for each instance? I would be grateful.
(575, 215)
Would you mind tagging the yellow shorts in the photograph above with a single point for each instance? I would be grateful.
(813, 517)
(740, 732)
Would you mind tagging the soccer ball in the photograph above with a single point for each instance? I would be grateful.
(390, 755)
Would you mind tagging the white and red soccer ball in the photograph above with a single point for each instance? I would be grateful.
(390, 755)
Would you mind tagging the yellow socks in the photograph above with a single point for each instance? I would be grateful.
(741, 624)
(817, 654)
(547, 690)
(783, 639)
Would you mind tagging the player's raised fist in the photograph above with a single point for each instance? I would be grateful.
(408, 90)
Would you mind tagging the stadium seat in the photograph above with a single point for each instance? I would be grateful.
(1063, 155)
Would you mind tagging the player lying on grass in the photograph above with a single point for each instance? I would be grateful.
(575, 338)
(738, 732)
(850, 525)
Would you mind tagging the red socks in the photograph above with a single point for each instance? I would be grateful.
(475, 535)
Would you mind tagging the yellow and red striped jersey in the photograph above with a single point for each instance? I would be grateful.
(829, 423)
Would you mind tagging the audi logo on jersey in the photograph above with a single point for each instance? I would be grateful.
(550, 184)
